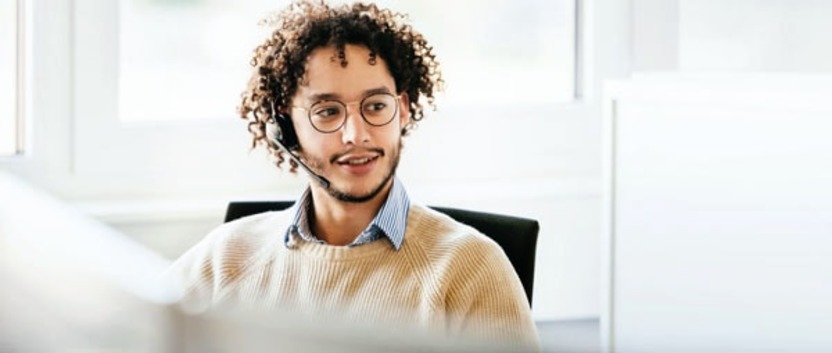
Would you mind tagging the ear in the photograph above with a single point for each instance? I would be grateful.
(404, 109)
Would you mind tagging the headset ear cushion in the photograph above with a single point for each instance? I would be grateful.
(287, 135)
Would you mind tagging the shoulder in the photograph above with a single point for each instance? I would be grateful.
(450, 246)
(439, 232)
(244, 236)
(225, 253)
(480, 291)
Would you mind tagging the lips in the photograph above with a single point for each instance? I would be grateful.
(356, 160)
(358, 164)
(357, 154)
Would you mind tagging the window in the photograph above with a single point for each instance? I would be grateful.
(188, 59)
(10, 65)
(156, 84)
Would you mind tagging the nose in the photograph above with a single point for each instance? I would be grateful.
(355, 130)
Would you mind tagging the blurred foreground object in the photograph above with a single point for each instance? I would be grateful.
(70, 282)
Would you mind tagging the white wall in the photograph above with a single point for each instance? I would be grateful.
(753, 35)
(715, 36)
(716, 198)
(719, 215)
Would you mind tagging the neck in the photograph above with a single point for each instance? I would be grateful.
(338, 222)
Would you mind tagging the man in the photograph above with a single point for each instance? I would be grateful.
(334, 89)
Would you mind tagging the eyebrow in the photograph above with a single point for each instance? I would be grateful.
(332, 96)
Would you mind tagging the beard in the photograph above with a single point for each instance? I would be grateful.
(316, 164)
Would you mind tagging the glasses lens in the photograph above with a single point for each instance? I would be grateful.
(378, 109)
(327, 116)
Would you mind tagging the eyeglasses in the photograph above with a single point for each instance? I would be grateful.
(328, 116)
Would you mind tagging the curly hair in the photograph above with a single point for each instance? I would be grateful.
(279, 62)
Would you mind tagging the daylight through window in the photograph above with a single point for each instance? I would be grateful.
(188, 59)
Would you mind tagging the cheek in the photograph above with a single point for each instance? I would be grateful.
(390, 134)
(307, 136)
(315, 144)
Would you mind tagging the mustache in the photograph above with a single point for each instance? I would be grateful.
(338, 156)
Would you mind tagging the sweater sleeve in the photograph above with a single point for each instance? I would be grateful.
(486, 300)
(194, 274)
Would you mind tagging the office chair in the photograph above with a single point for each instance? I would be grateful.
(517, 236)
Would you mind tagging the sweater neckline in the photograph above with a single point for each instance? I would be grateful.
(281, 219)
(348, 253)
(341, 252)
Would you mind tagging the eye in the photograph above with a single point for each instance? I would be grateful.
(326, 111)
(375, 106)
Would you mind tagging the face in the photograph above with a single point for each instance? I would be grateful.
(358, 159)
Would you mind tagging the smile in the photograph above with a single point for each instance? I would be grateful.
(359, 165)
(358, 161)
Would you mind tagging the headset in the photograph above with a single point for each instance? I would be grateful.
(285, 133)
(281, 132)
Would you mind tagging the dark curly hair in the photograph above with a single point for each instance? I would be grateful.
(279, 62)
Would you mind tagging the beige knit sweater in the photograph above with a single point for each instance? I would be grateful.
(446, 277)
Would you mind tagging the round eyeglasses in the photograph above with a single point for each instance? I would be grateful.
(328, 116)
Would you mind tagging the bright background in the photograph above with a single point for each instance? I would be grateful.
(132, 110)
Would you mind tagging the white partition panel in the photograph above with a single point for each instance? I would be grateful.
(718, 224)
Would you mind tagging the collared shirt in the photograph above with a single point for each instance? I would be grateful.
(389, 222)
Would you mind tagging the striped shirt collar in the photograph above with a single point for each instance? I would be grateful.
(389, 222)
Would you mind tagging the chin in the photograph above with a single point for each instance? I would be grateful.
(365, 194)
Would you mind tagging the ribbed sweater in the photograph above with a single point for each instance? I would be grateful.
(446, 277)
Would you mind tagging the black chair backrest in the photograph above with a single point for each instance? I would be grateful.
(517, 236)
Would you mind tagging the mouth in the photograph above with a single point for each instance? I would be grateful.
(357, 156)
(358, 164)
(358, 161)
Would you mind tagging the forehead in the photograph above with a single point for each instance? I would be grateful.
(326, 76)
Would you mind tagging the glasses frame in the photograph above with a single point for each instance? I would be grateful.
(346, 106)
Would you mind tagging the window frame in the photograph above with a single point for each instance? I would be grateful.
(22, 50)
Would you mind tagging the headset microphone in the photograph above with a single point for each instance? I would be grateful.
(275, 132)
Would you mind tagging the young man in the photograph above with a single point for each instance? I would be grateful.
(338, 87)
